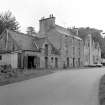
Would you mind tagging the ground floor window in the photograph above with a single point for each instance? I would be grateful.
(46, 62)
(73, 62)
(56, 62)
(0, 57)
(79, 61)
(67, 61)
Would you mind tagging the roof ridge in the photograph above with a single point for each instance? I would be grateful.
(20, 33)
(67, 32)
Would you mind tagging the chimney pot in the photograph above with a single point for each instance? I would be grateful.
(50, 16)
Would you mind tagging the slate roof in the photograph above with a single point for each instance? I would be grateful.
(27, 42)
(64, 31)
(24, 41)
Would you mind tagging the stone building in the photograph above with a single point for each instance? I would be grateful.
(26, 51)
(92, 51)
(53, 47)
(70, 46)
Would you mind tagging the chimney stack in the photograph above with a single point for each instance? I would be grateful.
(46, 23)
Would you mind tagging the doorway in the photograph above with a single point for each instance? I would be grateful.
(33, 62)
(30, 62)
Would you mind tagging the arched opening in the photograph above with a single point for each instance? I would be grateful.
(46, 49)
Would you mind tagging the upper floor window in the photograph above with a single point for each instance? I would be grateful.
(46, 49)
(51, 59)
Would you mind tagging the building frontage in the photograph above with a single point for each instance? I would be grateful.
(92, 51)
(54, 47)
(70, 46)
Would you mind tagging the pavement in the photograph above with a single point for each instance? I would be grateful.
(68, 87)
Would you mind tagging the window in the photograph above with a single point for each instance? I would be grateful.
(46, 62)
(46, 46)
(79, 61)
(67, 61)
(88, 44)
(0, 57)
(52, 59)
(46, 49)
(56, 62)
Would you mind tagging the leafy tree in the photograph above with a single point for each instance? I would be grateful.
(7, 21)
(96, 35)
(31, 30)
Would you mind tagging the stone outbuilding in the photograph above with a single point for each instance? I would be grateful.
(26, 51)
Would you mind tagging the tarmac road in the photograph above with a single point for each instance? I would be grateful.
(71, 87)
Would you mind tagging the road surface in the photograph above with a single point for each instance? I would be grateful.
(71, 87)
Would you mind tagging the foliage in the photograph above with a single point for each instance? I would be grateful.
(7, 21)
(83, 32)
(30, 30)
(96, 36)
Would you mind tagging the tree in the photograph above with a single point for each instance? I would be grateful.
(30, 30)
(7, 21)
(96, 36)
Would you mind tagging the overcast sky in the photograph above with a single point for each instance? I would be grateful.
(68, 13)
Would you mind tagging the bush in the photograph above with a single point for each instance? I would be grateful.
(6, 68)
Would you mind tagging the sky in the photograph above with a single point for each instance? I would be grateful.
(68, 13)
